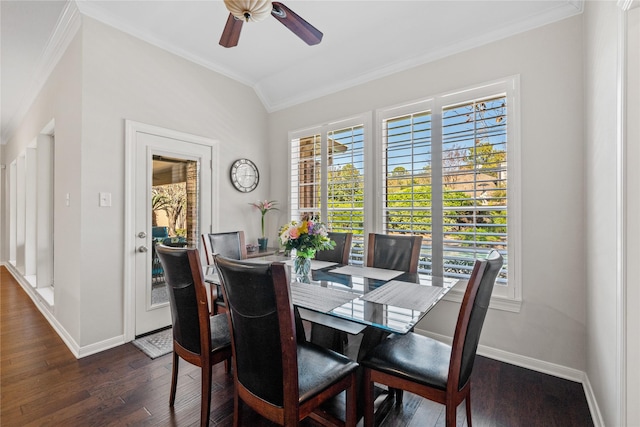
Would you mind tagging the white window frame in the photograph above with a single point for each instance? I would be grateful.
(323, 130)
(507, 297)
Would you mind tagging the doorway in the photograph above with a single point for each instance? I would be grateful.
(169, 190)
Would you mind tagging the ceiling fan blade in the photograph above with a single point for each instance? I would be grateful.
(231, 32)
(301, 28)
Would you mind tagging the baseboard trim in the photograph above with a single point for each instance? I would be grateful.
(538, 366)
(596, 415)
(100, 346)
(46, 310)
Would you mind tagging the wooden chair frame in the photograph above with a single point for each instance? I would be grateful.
(206, 358)
(346, 249)
(453, 395)
(415, 250)
(291, 413)
(209, 254)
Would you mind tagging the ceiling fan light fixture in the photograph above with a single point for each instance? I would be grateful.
(249, 10)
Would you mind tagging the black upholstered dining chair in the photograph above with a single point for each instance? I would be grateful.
(230, 244)
(430, 368)
(394, 252)
(340, 253)
(280, 378)
(198, 338)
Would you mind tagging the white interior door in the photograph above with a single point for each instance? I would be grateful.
(165, 161)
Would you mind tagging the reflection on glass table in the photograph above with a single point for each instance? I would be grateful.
(392, 301)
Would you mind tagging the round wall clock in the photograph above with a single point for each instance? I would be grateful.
(244, 175)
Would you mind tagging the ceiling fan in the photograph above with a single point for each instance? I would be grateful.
(257, 10)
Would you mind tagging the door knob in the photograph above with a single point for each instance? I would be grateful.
(142, 249)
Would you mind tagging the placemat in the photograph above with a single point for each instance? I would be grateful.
(370, 272)
(405, 295)
(315, 264)
(318, 298)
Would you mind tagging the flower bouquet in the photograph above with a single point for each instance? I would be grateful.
(306, 237)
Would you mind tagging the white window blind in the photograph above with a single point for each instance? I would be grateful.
(407, 179)
(345, 186)
(305, 176)
(327, 179)
(444, 177)
(474, 184)
(446, 168)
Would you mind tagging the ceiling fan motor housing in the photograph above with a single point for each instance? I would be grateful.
(249, 10)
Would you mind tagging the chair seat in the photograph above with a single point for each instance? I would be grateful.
(413, 357)
(220, 335)
(318, 368)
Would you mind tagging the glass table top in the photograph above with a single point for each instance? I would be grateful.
(393, 301)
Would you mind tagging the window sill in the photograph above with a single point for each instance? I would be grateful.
(497, 302)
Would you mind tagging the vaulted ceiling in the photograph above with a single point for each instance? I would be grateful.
(363, 40)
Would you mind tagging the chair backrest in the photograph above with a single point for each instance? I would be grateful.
(394, 252)
(187, 297)
(340, 253)
(473, 311)
(263, 337)
(228, 244)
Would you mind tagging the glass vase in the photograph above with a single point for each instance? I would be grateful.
(302, 269)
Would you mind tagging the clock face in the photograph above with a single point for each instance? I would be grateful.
(244, 175)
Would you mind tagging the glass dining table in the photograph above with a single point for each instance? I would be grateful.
(351, 298)
(371, 302)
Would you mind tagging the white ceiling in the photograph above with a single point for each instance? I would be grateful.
(363, 40)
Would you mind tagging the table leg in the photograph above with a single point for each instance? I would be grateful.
(371, 337)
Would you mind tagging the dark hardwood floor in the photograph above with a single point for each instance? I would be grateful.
(42, 384)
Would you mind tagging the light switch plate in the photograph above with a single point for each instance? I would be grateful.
(105, 199)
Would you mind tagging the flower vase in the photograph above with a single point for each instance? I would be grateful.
(262, 243)
(302, 269)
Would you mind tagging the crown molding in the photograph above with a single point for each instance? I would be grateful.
(626, 5)
(64, 31)
(70, 21)
(569, 9)
(272, 103)
(89, 9)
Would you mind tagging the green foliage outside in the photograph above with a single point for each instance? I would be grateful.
(172, 199)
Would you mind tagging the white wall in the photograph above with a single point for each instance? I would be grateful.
(104, 78)
(60, 98)
(551, 324)
(125, 78)
(600, 207)
(604, 29)
(632, 216)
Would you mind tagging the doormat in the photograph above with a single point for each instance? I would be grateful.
(157, 344)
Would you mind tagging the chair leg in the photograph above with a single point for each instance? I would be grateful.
(450, 417)
(468, 405)
(174, 379)
(351, 416)
(205, 404)
(236, 409)
(368, 398)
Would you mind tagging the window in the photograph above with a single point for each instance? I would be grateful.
(445, 168)
(444, 175)
(334, 193)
